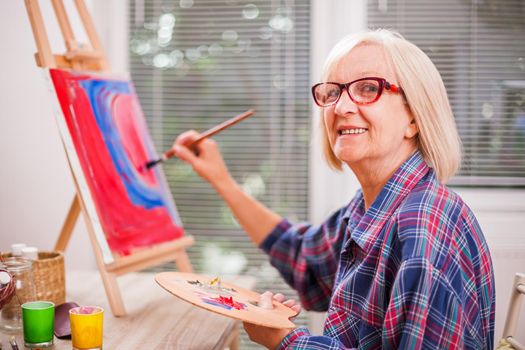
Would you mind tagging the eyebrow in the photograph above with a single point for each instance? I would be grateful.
(369, 74)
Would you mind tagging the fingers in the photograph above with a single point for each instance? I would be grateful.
(189, 138)
(184, 153)
(186, 138)
(181, 149)
(181, 142)
(297, 308)
(292, 304)
(278, 297)
(289, 303)
(265, 300)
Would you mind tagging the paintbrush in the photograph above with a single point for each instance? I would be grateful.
(208, 133)
(14, 345)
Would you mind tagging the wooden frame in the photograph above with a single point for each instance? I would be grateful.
(79, 58)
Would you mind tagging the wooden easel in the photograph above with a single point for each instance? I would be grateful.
(93, 58)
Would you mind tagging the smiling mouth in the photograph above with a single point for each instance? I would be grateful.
(352, 131)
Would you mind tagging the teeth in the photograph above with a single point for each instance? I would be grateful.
(352, 131)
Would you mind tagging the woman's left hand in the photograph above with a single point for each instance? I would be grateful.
(266, 336)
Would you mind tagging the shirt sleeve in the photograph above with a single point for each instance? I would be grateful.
(307, 257)
(300, 338)
(424, 312)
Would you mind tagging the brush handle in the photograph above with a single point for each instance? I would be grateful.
(210, 132)
(14, 345)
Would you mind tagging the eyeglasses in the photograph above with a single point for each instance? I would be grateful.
(362, 91)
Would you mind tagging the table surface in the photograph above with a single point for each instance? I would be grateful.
(155, 320)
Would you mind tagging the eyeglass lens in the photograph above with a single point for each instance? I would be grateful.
(362, 91)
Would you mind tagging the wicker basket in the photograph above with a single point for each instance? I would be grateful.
(49, 276)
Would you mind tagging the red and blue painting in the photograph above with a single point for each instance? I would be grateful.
(112, 142)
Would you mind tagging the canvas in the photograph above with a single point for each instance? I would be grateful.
(108, 144)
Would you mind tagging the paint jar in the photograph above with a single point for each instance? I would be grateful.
(30, 253)
(11, 313)
(16, 249)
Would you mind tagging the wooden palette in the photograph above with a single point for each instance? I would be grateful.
(226, 299)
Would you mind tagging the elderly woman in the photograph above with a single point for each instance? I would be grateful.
(404, 265)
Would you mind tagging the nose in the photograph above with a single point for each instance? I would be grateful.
(345, 105)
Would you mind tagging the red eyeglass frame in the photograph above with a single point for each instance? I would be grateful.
(383, 85)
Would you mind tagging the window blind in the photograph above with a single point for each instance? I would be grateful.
(479, 49)
(197, 63)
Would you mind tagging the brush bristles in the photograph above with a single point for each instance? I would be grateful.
(152, 163)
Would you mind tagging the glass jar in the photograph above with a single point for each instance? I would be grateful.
(11, 313)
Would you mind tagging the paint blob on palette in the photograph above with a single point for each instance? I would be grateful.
(221, 301)
(225, 298)
(110, 137)
(214, 293)
(214, 285)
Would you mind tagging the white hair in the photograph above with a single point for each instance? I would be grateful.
(425, 93)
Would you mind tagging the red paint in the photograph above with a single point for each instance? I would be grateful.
(228, 301)
(132, 131)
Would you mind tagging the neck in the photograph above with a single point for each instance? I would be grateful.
(373, 174)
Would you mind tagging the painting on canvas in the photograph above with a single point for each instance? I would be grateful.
(108, 133)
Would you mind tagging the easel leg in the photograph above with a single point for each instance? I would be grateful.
(113, 292)
(183, 261)
(69, 225)
(108, 278)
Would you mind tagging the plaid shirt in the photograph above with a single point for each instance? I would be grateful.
(411, 272)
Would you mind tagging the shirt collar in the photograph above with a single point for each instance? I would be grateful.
(364, 227)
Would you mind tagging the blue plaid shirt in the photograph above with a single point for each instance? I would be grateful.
(411, 272)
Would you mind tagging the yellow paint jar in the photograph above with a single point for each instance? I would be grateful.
(87, 323)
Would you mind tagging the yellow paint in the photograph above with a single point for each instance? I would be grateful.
(215, 281)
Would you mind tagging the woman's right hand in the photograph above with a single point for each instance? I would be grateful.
(208, 163)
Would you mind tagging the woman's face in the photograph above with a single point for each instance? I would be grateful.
(381, 130)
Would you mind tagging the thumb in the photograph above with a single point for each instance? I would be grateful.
(266, 300)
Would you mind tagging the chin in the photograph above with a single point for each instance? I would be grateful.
(347, 156)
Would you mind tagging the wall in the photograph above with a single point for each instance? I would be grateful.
(501, 214)
(36, 186)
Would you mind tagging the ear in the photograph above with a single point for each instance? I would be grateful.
(412, 129)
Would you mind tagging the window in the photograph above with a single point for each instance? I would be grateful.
(198, 63)
(479, 50)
